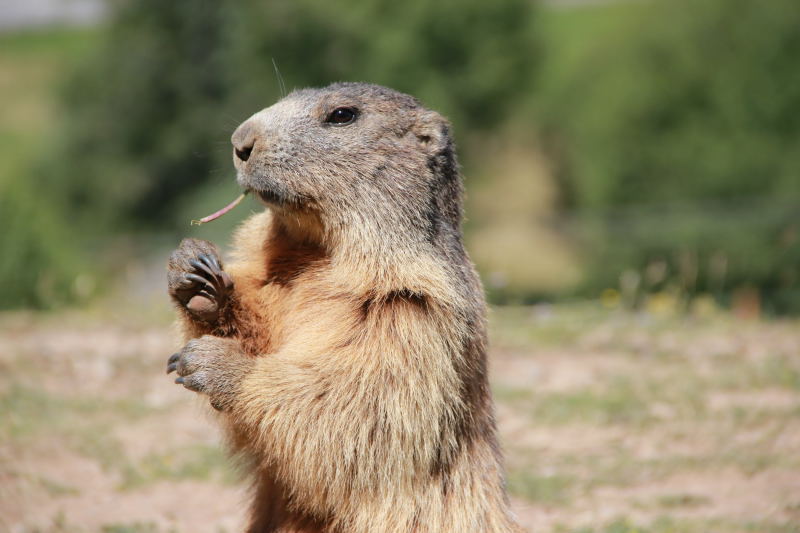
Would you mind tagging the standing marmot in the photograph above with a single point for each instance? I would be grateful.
(345, 345)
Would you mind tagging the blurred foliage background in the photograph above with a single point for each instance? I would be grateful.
(639, 152)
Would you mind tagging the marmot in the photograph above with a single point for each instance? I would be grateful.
(345, 344)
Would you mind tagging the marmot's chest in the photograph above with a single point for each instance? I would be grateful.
(296, 300)
(288, 262)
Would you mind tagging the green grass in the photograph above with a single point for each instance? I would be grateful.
(775, 371)
(136, 527)
(620, 400)
(682, 500)
(668, 382)
(544, 489)
(198, 462)
(81, 422)
(33, 412)
(520, 327)
(50, 43)
(687, 525)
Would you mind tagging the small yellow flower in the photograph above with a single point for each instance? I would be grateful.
(704, 306)
(609, 298)
(662, 304)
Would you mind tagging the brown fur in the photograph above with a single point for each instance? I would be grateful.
(349, 362)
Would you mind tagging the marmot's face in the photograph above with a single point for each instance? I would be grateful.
(344, 149)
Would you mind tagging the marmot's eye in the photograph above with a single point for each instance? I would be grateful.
(342, 116)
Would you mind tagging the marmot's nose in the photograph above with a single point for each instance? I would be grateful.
(243, 140)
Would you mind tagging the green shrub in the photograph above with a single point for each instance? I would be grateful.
(149, 116)
(677, 137)
(39, 264)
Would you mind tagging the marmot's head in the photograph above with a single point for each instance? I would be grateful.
(354, 153)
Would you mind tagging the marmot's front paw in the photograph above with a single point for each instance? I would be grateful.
(212, 365)
(196, 280)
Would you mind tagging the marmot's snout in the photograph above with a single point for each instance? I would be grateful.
(261, 162)
(243, 141)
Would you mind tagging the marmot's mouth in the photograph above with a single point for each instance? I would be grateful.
(272, 192)
(271, 197)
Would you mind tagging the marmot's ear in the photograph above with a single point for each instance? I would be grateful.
(432, 132)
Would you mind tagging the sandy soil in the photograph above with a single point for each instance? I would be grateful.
(610, 423)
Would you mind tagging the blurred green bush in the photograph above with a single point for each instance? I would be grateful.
(667, 157)
(38, 266)
(677, 140)
(41, 259)
(150, 115)
(145, 120)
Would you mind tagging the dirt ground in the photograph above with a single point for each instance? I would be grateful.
(612, 422)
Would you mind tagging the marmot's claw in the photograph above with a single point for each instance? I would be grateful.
(211, 261)
(211, 365)
(172, 362)
(210, 275)
(202, 282)
(201, 266)
(197, 281)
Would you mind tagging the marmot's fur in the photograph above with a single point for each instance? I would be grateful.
(345, 344)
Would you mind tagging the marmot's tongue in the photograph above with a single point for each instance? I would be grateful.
(221, 212)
